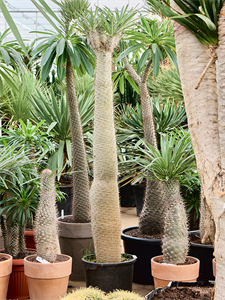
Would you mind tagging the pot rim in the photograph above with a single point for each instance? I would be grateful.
(128, 237)
(161, 256)
(131, 261)
(198, 245)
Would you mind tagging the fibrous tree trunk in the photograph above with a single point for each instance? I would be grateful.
(152, 215)
(105, 208)
(205, 120)
(80, 207)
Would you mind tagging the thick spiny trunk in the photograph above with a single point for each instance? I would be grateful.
(105, 208)
(80, 209)
(152, 215)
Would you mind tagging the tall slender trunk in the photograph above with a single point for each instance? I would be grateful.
(202, 113)
(80, 209)
(105, 208)
(151, 219)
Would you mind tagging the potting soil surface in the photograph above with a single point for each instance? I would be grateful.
(185, 293)
(137, 233)
(196, 239)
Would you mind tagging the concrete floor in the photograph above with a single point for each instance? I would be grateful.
(128, 218)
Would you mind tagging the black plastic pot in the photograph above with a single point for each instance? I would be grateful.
(109, 277)
(205, 254)
(144, 249)
(66, 203)
(139, 192)
(126, 195)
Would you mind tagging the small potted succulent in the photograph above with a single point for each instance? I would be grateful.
(176, 158)
(47, 272)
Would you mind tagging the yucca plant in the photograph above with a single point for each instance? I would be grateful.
(199, 31)
(174, 159)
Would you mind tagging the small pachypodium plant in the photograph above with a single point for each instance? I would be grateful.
(176, 158)
(46, 231)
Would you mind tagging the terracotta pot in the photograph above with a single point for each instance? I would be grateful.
(18, 288)
(164, 273)
(214, 267)
(74, 239)
(47, 281)
(5, 271)
(29, 237)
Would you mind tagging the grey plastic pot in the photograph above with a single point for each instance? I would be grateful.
(109, 277)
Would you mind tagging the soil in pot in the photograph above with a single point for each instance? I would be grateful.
(184, 293)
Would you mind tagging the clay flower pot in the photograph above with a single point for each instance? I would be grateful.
(47, 281)
(74, 239)
(164, 273)
(5, 271)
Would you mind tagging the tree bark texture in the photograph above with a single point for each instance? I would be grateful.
(151, 219)
(203, 113)
(80, 208)
(105, 207)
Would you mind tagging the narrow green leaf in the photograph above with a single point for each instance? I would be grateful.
(60, 47)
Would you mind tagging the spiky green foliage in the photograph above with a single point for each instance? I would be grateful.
(167, 85)
(46, 232)
(199, 16)
(155, 39)
(15, 103)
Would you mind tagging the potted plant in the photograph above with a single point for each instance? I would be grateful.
(70, 51)
(104, 29)
(12, 224)
(47, 273)
(176, 158)
(167, 117)
(5, 271)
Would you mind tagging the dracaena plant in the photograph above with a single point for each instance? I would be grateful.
(174, 159)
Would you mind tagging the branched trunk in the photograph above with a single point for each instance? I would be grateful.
(152, 215)
(105, 208)
(80, 209)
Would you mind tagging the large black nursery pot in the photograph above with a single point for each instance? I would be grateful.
(139, 192)
(65, 204)
(205, 254)
(109, 277)
(126, 195)
(144, 249)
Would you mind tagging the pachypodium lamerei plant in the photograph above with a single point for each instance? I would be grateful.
(104, 29)
(175, 158)
(46, 232)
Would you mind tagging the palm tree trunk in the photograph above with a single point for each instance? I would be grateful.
(202, 113)
(151, 219)
(105, 208)
(80, 209)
